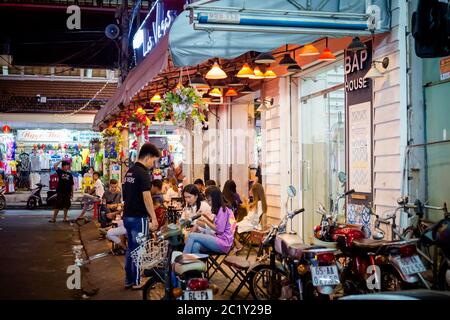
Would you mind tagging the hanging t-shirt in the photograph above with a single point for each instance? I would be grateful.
(45, 179)
(98, 162)
(44, 159)
(35, 178)
(54, 159)
(12, 167)
(35, 162)
(85, 155)
(76, 163)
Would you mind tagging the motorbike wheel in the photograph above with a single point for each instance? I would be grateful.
(154, 290)
(265, 283)
(2, 203)
(31, 203)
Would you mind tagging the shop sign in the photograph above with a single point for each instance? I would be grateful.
(156, 24)
(444, 67)
(356, 65)
(63, 135)
(359, 135)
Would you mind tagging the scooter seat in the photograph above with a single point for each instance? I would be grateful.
(369, 243)
(187, 258)
(193, 265)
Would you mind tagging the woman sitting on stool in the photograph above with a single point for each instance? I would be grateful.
(223, 226)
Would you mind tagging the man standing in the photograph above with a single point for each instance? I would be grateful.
(64, 190)
(95, 194)
(138, 208)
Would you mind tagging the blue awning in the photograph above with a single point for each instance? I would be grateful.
(190, 47)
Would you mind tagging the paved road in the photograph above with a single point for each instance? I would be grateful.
(35, 255)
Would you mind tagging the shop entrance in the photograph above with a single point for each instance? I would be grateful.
(322, 136)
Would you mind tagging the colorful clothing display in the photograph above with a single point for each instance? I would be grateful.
(98, 162)
(77, 163)
(35, 162)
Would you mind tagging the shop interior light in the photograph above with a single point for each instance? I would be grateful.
(373, 72)
(245, 71)
(308, 50)
(216, 72)
(265, 58)
(231, 92)
(287, 60)
(356, 45)
(215, 92)
(270, 74)
(327, 55)
(257, 74)
(246, 89)
(198, 82)
(156, 98)
(294, 68)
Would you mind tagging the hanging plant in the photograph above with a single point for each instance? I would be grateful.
(182, 104)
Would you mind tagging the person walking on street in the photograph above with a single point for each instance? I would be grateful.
(138, 208)
(64, 190)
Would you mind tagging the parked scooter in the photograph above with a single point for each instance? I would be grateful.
(35, 199)
(184, 275)
(2, 198)
(398, 262)
(294, 270)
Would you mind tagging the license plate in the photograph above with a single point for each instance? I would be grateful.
(198, 295)
(411, 265)
(325, 276)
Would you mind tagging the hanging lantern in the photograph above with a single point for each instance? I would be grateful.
(6, 129)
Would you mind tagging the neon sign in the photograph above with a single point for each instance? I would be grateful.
(155, 26)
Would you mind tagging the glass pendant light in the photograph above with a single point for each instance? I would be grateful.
(327, 55)
(270, 74)
(257, 74)
(216, 72)
(215, 92)
(265, 58)
(287, 60)
(308, 50)
(245, 71)
(156, 98)
(356, 45)
(231, 92)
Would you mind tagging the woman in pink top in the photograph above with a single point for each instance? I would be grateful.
(224, 225)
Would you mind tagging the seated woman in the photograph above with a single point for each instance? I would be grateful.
(194, 203)
(223, 227)
(231, 196)
(172, 192)
(256, 219)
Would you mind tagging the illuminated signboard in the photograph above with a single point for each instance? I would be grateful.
(155, 26)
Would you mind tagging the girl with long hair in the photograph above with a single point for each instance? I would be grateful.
(223, 227)
(231, 196)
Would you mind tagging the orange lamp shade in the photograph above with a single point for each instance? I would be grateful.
(216, 72)
(270, 74)
(327, 55)
(245, 71)
(231, 92)
(257, 74)
(308, 50)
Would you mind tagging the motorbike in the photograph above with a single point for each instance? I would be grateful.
(397, 261)
(2, 198)
(35, 199)
(184, 275)
(293, 270)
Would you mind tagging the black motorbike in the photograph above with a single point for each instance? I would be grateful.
(2, 198)
(35, 198)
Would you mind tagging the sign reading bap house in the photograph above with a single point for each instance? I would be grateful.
(358, 98)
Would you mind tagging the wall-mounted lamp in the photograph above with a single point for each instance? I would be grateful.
(373, 72)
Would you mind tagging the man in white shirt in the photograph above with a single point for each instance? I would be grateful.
(94, 195)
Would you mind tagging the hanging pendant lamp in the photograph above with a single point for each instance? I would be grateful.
(265, 58)
(156, 98)
(356, 45)
(215, 92)
(257, 74)
(245, 71)
(308, 50)
(270, 74)
(198, 82)
(216, 72)
(287, 60)
(231, 92)
(327, 55)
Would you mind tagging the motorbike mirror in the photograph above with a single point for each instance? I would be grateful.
(291, 191)
(342, 177)
(402, 200)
